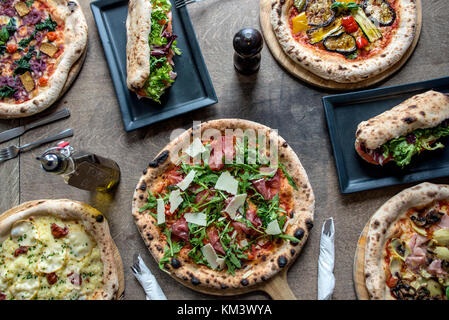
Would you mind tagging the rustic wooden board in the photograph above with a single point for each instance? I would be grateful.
(118, 259)
(277, 288)
(359, 266)
(309, 77)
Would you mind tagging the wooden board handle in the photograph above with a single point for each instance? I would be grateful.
(278, 288)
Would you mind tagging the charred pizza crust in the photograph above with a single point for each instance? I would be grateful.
(426, 110)
(381, 228)
(220, 282)
(94, 223)
(336, 67)
(138, 26)
(75, 42)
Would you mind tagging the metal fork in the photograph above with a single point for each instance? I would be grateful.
(13, 151)
(183, 3)
(135, 268)
(327, 227)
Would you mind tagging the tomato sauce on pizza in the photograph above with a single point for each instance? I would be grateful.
(354, 29)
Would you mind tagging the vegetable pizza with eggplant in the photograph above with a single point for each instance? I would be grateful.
(345, 41)
(150, 48)
(40, 40)
(220, 223)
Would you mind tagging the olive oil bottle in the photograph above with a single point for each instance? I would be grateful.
(83, 170)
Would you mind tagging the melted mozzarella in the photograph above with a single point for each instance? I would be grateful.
(63, 256)
(24, 233)
(26, 287)
(52, 258)
(79, 242)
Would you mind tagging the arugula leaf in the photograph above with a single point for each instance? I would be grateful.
(289, 177)
(170, 251)
(29, 3)
(288, 237)
(151, 202)
(6, 92)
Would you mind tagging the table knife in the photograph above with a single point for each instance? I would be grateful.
(16, 132)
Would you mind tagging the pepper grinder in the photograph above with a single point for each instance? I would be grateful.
(248, 43)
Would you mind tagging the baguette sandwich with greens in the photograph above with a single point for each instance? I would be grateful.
(150, 48)
(408, 129)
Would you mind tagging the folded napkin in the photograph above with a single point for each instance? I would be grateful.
(326, 278)
(147, 280)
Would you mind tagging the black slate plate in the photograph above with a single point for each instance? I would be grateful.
(193, 87)
(345, 111)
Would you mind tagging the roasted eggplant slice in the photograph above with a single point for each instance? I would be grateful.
(319, 33)
(342, 43)
(379, 11)
(299, 4)
(319, 13)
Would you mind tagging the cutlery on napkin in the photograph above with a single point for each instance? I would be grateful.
(326, 278)
(147, 280)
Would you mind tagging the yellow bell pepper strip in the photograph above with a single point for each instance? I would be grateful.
(300, 23)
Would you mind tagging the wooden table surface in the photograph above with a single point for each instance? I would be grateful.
(271, 97)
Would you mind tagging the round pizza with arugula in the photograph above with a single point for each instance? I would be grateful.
(40, 40)
(346, 41)
(407, 250)
(216, 216)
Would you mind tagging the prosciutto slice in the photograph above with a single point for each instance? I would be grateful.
(436, 269)
(418, 256)
(268, 188)
(181, 229)
(215, 240)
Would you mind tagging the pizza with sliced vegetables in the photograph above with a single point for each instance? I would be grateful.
(57, 250)
(346, 41)
(40, 40)
(407, 250)
(224, 222)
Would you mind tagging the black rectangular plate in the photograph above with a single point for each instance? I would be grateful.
(193, 87)
(343, 114)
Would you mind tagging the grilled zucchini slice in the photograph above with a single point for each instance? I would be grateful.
(368, 27)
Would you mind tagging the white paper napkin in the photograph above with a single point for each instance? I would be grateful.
(149, 284)
(326, 278)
